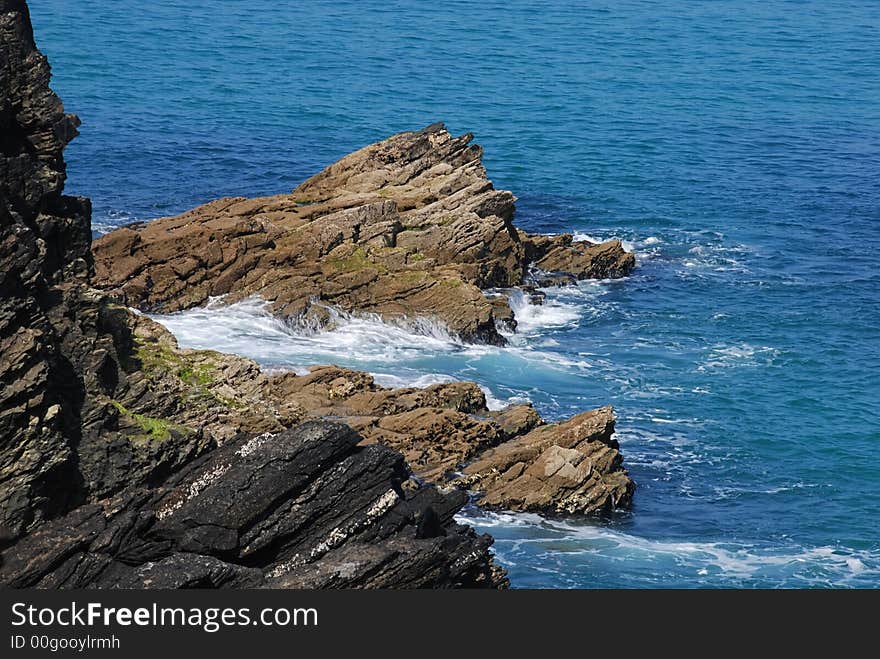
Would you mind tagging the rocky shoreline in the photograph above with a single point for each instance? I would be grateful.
(128, 462)
(408, 228)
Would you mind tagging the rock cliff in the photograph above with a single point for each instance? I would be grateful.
(126, 461)
(110, 470)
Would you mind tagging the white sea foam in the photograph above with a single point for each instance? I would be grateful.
(711, 254)
(531, 318)
(697, 252)
(644, 248)
(493, 402)
(247, 328)
(409, 378)
(397, 353)
(743, 354)
(739, 560)
(733, 492)
(581, 237)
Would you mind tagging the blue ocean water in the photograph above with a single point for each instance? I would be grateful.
(734, 145)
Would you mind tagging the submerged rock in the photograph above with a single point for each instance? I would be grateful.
(409, 228)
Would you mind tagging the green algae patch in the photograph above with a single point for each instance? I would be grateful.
(196, 370)
(197, 374)
(357, 260)
(154, 428)
(158, 360)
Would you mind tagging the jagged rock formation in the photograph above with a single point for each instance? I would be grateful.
(53, 350)
(568, 467)
(109, 461)
(408, 228)
(305, 508)
(511, 458)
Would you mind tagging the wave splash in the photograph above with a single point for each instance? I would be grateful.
(247, 328)
(417, 354)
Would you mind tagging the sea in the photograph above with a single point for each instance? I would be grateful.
(734, 146)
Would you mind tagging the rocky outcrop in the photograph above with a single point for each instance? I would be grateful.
(112, 472)
(409, 228)
(45, 263)
(562, 260)
(306, 508)
(440, 430)
(568, 467)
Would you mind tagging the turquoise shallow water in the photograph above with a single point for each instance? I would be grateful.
(735, 146)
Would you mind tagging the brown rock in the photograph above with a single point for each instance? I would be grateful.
(568, 467)
(560, 258)
(516, 419)
(408, 228)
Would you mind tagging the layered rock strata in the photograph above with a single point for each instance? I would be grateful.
(410, 228)
(306, 508)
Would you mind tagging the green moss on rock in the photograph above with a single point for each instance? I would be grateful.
(154, 428)
(358, 260)
(196, 370)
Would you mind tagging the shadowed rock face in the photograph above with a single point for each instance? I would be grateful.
(44, 264)
(407, 228)
(305, 508)
(61, 344)
(110, 471)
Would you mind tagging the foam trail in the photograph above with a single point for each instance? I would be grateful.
(410, 378)
(743, 354)
(718, 562)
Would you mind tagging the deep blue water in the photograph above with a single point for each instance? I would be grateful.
(734, 145)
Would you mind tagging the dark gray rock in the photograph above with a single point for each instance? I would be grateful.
(62, 345)
(306, 508)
